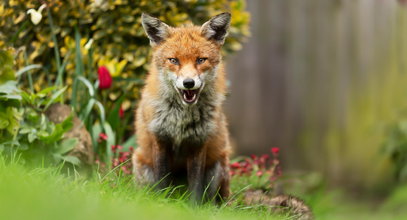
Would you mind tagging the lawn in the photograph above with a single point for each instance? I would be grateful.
(46, 193)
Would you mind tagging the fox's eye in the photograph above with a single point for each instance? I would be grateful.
(200, 60)
(173, 61)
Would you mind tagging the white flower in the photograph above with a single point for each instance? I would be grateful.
(36, 15)
(89, 44)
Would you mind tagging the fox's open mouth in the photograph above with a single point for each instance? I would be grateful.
(189, 96)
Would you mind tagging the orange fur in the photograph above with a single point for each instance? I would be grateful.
(185, 44)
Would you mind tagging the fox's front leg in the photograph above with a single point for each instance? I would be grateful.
(162, 164)
(195, 170)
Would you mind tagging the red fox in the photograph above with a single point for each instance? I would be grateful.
(180, 125)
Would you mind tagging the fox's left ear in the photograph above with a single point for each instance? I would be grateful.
(216, 29)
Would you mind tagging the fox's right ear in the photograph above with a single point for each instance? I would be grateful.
(155, 29)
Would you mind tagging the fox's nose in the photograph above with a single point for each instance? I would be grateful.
(189, 83)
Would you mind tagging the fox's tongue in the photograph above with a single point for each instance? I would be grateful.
(189, 93)
(189, 96)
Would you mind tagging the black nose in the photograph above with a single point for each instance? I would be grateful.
(189, 83)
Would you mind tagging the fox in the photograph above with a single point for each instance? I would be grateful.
(180, 124)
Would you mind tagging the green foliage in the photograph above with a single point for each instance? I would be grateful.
(119, 41)
(24, 128)
(396, 148)
(9, 98)
(6, 67)
(36, 137)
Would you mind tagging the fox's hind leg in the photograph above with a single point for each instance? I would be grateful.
(195, 174)
(143, 173)
(217, 182)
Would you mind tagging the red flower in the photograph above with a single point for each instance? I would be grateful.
(121, 112)
(102, 137)
(235, 165)
(113, 147)
(105, 79)
(131, 149)
(259, 173)
(275, 150)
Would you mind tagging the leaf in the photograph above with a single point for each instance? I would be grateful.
(3, 122)
(96, 130)
(54, 97)
(71, 159)
(31, 137)
(101, 111)
(110, 139)
(46, 91)
(87, 84)
(131, 142)
(86, 111)
(9, 90)
(59, 130)
(28, 68)
(113, 118)
(67, 145)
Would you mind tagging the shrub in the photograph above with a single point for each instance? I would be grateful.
(24, 128)
(395, 148)
(118, 38)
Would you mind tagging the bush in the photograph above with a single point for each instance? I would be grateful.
(118, 38)
(395, 148)
(24, 127)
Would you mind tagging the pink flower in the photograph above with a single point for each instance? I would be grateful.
(259, 173)
(275, 150)
(102, 137)
(235, 165)
(121, 112)
(105, 79)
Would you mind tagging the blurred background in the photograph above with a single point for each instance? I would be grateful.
(326, 81)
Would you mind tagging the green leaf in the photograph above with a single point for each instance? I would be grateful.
(110, 140)
(86, 111)
(3, 122)
(46, 91)
(31, 137)
(9, 90)
(101, 111)
(71, 159)
(59, 130)
(113, 118)
(87, 84)
(28, 68)
(54, 97)
(131, 142)
(67, 145)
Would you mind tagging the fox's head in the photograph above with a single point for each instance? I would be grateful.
(187, 58)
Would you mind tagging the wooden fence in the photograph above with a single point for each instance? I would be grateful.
(322, 79)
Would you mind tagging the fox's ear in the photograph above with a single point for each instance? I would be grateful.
(216, 29)
(155, 29)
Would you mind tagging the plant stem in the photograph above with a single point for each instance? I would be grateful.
(29, 77)
(54, 39)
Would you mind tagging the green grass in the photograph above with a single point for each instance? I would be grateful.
(45, 193)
